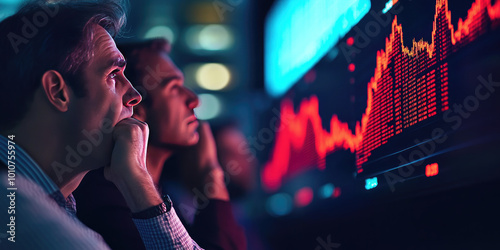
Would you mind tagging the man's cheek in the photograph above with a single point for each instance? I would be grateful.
(115, 108)
(107, 126)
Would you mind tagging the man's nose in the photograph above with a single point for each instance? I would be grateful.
(132, 97)
(192, 100)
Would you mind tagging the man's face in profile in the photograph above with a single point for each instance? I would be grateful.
(170, 115)
(109, 99)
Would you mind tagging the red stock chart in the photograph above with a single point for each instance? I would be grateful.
(409, 86)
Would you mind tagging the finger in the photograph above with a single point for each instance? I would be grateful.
(128, 126)
(137, 120)
(206, 134)
(208, 149)
(131, 120)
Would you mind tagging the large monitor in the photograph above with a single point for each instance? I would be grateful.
(404, 105)
(309, 29)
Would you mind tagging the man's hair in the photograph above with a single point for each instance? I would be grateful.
(136, 75)
(45, 36)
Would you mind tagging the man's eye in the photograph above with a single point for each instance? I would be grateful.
(175, 89)
(113, 74)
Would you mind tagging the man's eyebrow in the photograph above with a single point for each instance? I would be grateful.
(168, 79)
(117, 62)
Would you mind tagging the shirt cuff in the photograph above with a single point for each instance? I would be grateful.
(164, 231)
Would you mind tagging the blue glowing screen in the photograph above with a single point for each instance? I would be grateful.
(299, 33)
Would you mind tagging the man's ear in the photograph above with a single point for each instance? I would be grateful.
(56, 90)
(140, 112)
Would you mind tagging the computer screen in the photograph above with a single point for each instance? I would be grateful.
(406, 103)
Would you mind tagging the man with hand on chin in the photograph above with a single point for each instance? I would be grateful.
(167, 107)
(62, 76)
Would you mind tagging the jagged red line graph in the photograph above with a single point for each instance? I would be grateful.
(294, 139)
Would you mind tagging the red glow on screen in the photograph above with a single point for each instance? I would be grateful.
(431, 170)
(303, 197)
(351, 67)
(336, 192)
(350, 41)
(409, 85)
(310, 76)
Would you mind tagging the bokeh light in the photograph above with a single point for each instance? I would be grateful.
(209, 107)
(279, 204)
(303, 197)
(161, 31)
(213, 76)
(326, 190)
(213, 37)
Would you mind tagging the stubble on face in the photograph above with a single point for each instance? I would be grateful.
(102, 108)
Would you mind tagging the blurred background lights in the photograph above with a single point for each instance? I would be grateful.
(350, 41)
(371, 183)
(326, 190)
(208, 108)
(213, 37)
(11, 2)
(279, 204)
(337, 192)
(8, 7)
(205, 11)
(351, 67)
(161, 31)
(213, 76)
(303, 197)
(431, 169)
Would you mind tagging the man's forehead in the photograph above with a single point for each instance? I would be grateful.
(106, 53)
(159, 63)
(101, 38)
